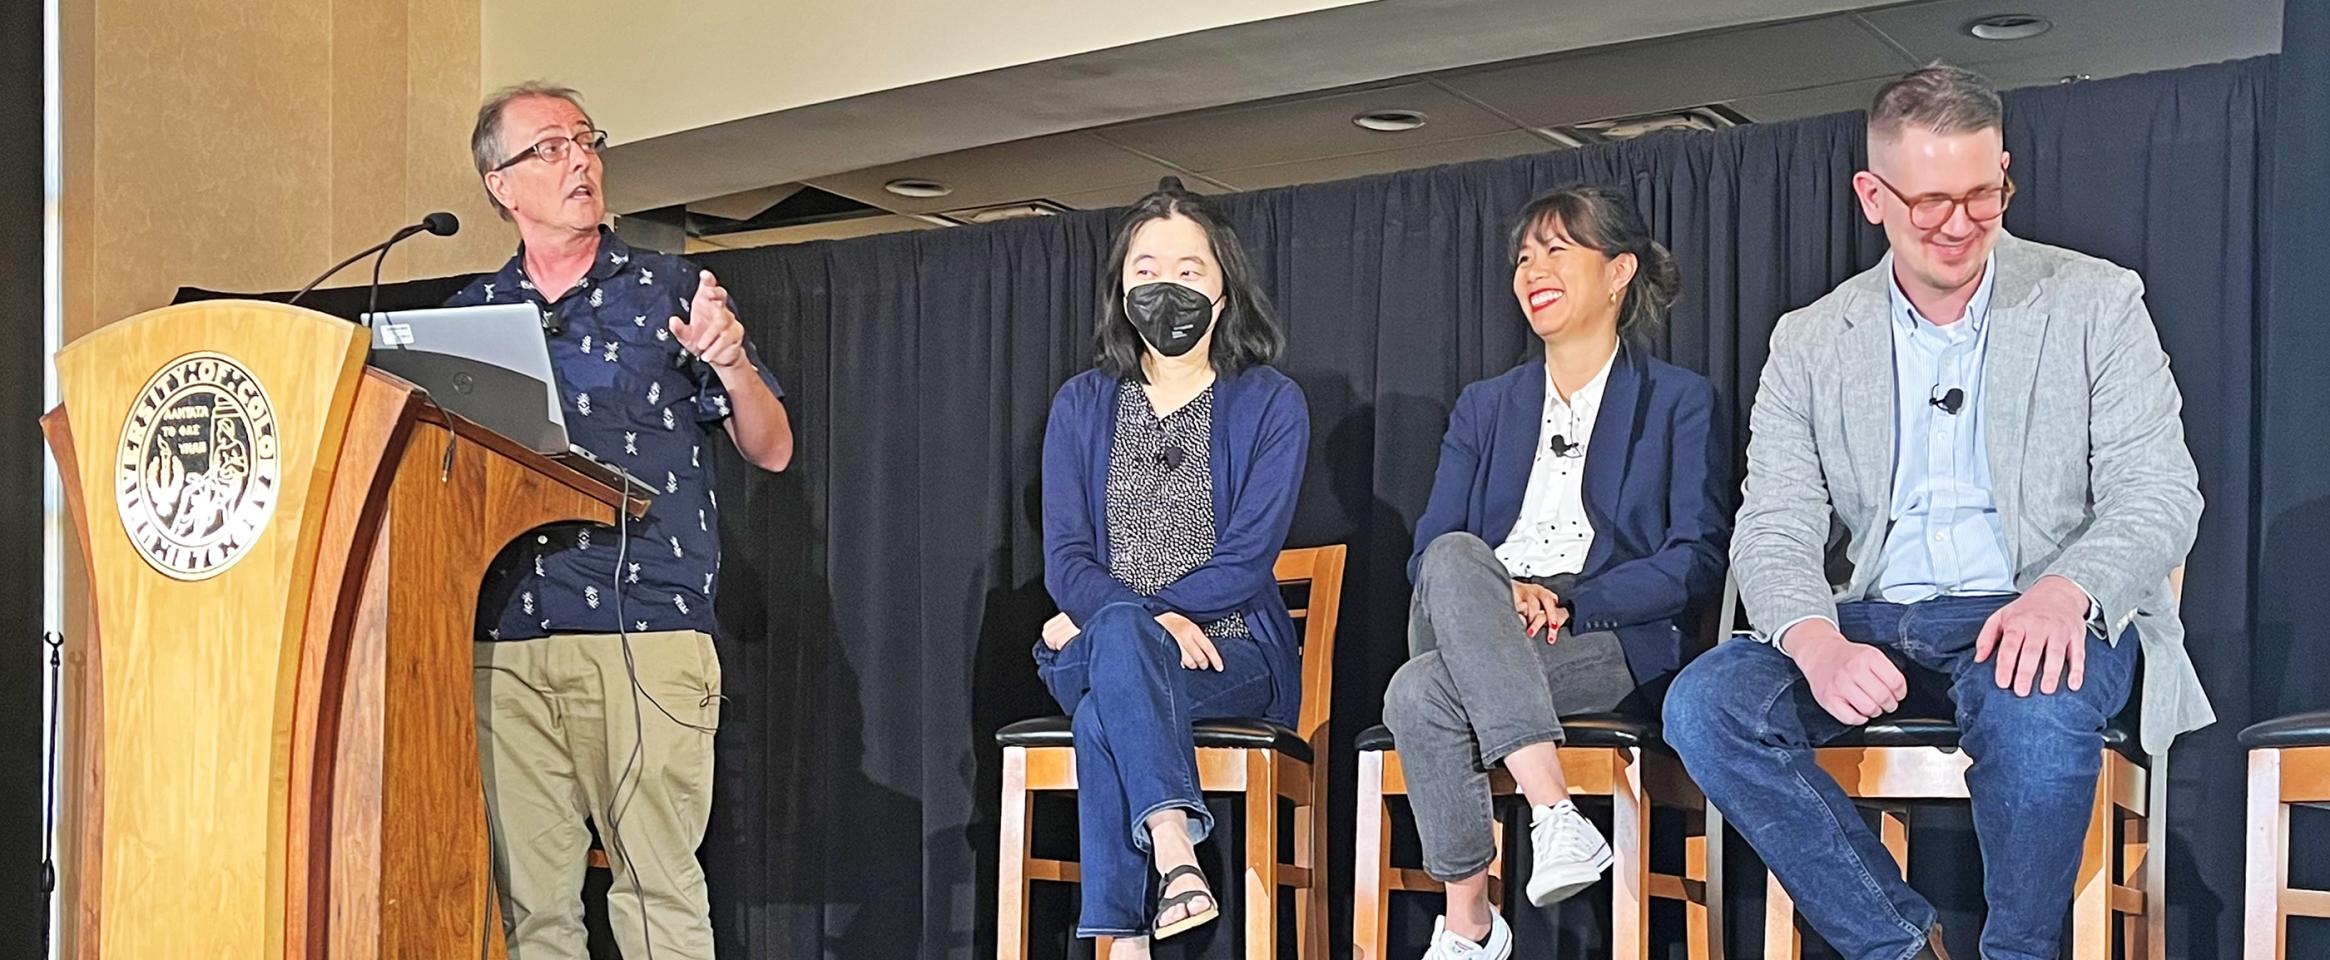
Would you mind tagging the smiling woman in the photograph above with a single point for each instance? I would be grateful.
(1542, 589)
(1585, 244)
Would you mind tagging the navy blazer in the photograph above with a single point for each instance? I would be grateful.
(1261, 435)
(1658, 493)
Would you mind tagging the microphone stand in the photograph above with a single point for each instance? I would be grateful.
(440, 223)
(358, 255)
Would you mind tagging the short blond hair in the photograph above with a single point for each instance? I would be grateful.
(1937, 97)
(485, 139)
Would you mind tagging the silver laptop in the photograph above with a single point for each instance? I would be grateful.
(491, 365)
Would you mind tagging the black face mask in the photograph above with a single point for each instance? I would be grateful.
(1171, 317)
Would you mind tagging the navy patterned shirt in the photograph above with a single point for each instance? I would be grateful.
(637, 400)
(1161, 502)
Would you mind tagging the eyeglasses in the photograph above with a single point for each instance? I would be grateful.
(554, 149)
(1934, 209)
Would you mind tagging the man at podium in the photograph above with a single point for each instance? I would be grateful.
(598, 689)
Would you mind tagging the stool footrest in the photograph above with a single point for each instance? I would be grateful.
(2306, 903)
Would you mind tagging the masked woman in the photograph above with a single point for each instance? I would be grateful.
(1170, 473)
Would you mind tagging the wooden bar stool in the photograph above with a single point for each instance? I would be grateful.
(1260, 760)
(2289, 764)
(1900, 761)
(1604, 755)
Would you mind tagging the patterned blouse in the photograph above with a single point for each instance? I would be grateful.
(1161, 496)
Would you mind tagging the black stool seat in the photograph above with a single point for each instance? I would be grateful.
(1599, 730)
(1239, 733)
(2311, 729)
(1935, 732)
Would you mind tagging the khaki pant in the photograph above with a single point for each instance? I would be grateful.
(562, 737)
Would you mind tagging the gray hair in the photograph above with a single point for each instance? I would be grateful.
(1937, 97)
(485, 139)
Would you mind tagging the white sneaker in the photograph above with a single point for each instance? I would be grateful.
(1569, 854)
(1449, 946)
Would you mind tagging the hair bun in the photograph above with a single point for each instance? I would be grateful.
(1171, 185)
(1659, 280)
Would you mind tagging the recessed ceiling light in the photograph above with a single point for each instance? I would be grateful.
(917, 188)
(2009, 26)
(1390, 121)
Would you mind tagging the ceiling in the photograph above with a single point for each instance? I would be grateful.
(1772, 71)
(1332, 45)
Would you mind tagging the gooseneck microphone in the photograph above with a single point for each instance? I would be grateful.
(439, 223)
(1949, 402)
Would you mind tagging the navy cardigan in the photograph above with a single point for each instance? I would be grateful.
(1261, 434)
(1657, 492)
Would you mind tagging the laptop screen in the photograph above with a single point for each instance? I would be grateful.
(490, 364)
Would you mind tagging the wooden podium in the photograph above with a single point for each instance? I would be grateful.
(277, 753)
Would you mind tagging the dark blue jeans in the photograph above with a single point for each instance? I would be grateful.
(1130, 703)
(1743, 719)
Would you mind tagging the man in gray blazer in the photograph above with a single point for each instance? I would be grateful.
(1994, 423)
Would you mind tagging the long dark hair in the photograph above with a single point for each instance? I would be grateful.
(1598, 218)
(1247, 333)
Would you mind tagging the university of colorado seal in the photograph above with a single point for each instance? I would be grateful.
(197, 477)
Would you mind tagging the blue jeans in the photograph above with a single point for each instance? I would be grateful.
(1743, 719)
(1130, 703)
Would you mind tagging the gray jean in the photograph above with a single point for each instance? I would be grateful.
(1475, 689)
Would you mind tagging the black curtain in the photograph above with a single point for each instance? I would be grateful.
(2169, 181)
(883, 594)
(349, 303)
(23, 281)
(2288, 609)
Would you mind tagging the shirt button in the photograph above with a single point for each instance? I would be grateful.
(1943, 536)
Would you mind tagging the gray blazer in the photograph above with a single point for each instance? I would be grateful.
(2087, 454)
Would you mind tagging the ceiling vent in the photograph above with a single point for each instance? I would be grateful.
(1006, 211)
(1692, 120)
(805, 206)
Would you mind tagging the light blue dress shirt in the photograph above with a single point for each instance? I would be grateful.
(1946, 538)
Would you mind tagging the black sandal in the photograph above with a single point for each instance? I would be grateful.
(1194, 920)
